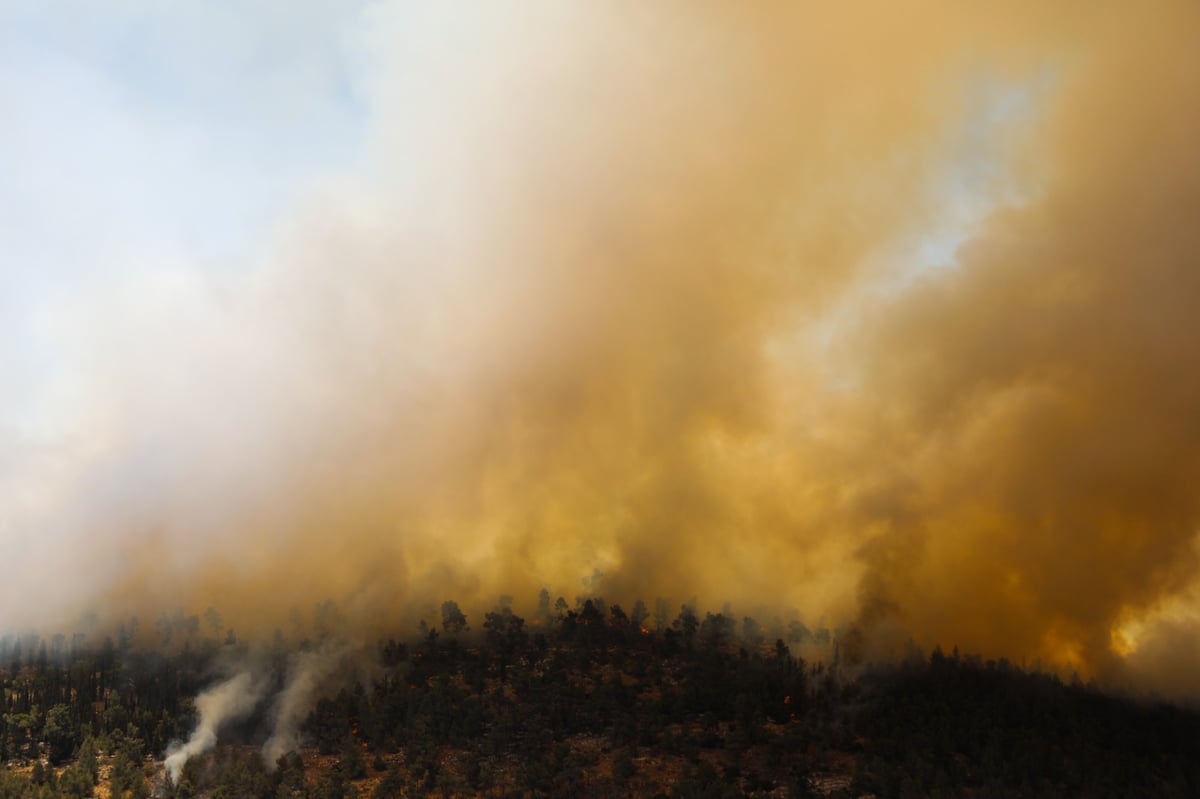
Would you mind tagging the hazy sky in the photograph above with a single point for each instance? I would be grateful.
(885, 317)
(141, 142)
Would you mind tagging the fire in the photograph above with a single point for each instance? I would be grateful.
(643, 631)
(354, 732)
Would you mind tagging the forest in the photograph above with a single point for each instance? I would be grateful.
(580, 700)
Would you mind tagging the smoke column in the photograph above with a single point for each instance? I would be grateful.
(307, 673)
(886, 317)
(228, 701)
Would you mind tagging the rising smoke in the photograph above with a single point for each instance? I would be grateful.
(308, 672)
(257, 690)
(228, 701)
(886, 316)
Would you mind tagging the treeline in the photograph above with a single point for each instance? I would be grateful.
(955, 725)
(581, 701)
(55, 696)
(594, 700)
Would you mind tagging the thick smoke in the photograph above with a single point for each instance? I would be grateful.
(889, 318)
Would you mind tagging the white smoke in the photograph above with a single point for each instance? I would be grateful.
(307, 672)
(233, 699)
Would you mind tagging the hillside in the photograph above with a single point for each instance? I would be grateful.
(587, 702)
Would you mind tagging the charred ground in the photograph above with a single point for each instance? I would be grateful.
(589, 701)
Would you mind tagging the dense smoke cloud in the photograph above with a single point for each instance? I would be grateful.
(886, 317)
